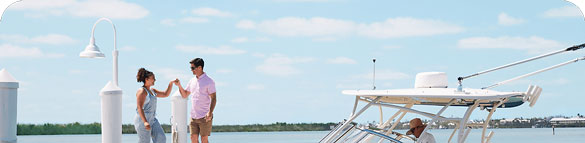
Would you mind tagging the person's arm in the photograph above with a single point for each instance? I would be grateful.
(167, 92)
(209, 115)
(140, 98)
(184, 93)
(213, 95)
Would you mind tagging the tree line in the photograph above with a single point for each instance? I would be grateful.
(95, 128)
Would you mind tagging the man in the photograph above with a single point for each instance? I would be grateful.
(417, 128)
(201, 89)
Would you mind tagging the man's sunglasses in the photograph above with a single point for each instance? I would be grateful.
(193, 68)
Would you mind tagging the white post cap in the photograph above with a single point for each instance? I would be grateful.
(111, 89)
(177, 96)
(6, 80)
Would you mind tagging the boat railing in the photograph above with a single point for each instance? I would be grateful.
(365, 132)
(340, 135)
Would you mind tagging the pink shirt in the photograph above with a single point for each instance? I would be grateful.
(200, 90)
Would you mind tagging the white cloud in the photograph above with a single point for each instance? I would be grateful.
(407, 27)
(240, 40)
(533, 44)
(281, 65)
(341, 60)
(326, 28)
(246, 24)
(173, 22)
(41, 4)
(206, 11)
(325, 39)
(194, 20)
(165, 75)
(221, 50)
(12, 51)
(258, 55)
(255, 87)
(168, 22)
(246, 39)
(566, 11)
(383, 74)
(53, 39)
(295, 26)
(506, 20)
(262, 39)
(114, 9)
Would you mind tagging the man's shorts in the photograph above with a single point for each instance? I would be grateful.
(200, 126)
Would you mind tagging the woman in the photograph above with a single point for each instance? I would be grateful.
(145, 123)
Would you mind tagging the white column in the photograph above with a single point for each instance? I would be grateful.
(8, 94)
(179, 118)
(111, 96)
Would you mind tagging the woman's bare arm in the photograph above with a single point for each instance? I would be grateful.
(167, 92)
(140, 98)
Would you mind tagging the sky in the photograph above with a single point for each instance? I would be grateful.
(286, 60)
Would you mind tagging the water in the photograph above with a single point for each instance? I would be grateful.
(538, 135)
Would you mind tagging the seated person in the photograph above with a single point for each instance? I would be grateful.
(417, 128)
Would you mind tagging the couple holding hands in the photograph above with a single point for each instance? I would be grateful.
(200, 88)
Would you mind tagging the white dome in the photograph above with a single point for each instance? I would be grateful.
(431, 80)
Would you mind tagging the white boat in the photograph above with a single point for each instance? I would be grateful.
(431, 90)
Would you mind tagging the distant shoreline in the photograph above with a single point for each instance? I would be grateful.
(95, 128)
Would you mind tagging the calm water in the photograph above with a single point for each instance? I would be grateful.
(540, 135)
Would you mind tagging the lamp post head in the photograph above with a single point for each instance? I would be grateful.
(91, 50)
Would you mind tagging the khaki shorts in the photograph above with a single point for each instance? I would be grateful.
(200, 126)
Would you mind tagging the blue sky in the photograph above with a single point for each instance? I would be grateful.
(286, 60)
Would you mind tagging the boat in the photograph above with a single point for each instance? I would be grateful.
(431, 90)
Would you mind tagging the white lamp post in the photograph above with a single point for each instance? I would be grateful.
(111, 94)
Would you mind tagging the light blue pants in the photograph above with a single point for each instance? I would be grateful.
(156, 132)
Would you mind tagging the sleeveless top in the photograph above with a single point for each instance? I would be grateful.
(149, 105)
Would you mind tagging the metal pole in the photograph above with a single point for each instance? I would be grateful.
(374, 76)
(437, 116)
(572, 48)
(352, 118)
(463, 124)
(114, 53)
(488, 119)
(533, 73)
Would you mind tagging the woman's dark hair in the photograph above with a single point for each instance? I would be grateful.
(197, 62)
(142, 75)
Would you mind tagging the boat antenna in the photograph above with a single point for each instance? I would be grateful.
(374, 76)
(572, 48)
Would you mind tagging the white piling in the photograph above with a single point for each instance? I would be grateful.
(111, 96)
(179, 118)
(8, 94)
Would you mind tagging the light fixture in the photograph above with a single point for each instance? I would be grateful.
(111, 94)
